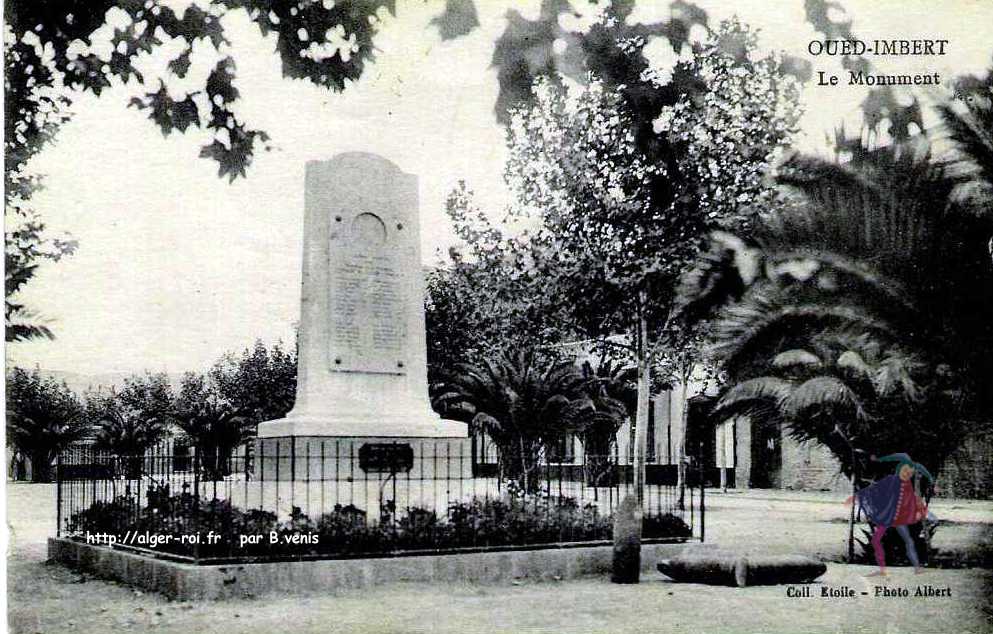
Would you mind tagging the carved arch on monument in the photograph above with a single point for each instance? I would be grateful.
(368, 231)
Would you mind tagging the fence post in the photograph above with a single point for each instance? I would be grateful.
(196, 505)
(58, 494)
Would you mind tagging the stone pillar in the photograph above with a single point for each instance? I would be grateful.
(362, 368)
(743, 453)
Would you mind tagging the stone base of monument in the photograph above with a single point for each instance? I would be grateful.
(367, 476)
(719, 567)
(351, 459)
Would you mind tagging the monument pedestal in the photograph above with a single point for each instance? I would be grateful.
(361, 426)
(346, 460)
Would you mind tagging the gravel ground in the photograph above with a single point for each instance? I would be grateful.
(49, 598)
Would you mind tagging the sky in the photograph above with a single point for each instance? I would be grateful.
(177, 266)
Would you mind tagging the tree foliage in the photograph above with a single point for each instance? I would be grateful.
(452, 327)
(87, 46)
(214, 426)
(43, 418)
(53, 52)
(524, 401)
(219, 411)
(614, 191)
(498, 303)
(260, 383)
(130, 420)
(852, 393)
(547, 48)
(889, 250)
(611, 400)
(605, 228)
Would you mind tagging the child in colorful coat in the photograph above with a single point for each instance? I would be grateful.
(892, 501)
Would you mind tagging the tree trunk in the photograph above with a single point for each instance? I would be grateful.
(524, 469)
(41, 466)
(684, 418)
(644, 394)
(629, 514)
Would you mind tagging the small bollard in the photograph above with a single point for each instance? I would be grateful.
(627, 542)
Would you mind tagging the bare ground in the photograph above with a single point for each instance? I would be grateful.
(49, 598)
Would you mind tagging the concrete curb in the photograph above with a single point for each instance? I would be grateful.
(209, 582)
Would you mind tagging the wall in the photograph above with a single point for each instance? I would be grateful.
(809, 466)
(968, 473)
(191, 582)
(743, 452)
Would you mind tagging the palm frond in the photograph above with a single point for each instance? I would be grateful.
(853, 362)
(895, 373)
(971, 130)
(888, 288)
(822, 393)
(885, 209)
(757, 325)
(796, 357)
(765, 390)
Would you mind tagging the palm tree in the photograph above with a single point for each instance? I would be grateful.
(969, 126)
(611, 398)
(837, 392)
(215, 426)
(131, 420)
(837, 396)
(522, 401)
(878, 248)
(43, 418)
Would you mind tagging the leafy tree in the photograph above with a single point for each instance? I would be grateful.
(610, 224)
(453, 334)
(28, 245)
(43, 418)
(260, 384)
(87, 46)
(54, 51)
(529, 50)
(215, 427)
(522, 400)
(503, 307)
(133, 419)
(33, 114)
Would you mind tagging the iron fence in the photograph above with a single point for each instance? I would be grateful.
(324, 498)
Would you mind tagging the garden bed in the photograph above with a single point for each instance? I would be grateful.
(186, 529)
(186, 581)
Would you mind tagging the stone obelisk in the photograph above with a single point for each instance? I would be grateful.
(362, 368)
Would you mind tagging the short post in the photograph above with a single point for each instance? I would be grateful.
(627, 541)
